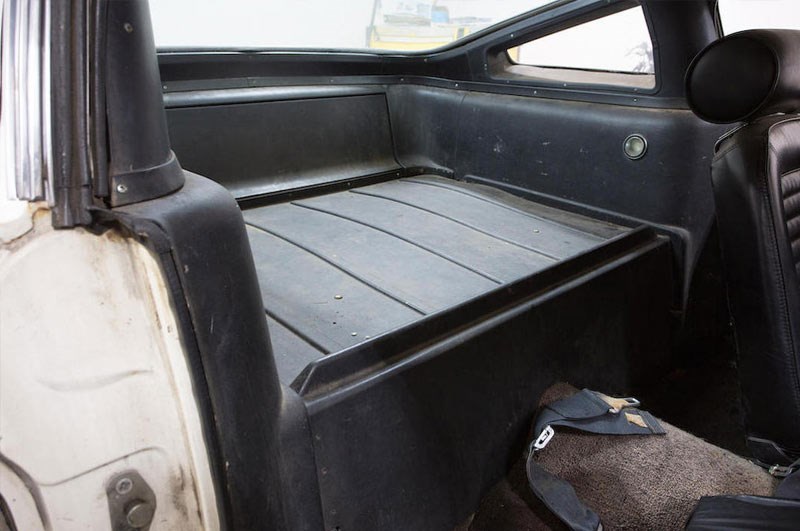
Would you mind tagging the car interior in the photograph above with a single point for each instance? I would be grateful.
(385, 264)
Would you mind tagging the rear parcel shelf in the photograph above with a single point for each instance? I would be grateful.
(418, 256)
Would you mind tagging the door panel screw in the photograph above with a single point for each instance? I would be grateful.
(123, 486)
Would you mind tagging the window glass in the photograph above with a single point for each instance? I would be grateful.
(738, 15)
(396, 25)
(615, 43)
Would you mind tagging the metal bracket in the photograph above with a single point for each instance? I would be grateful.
(780, 471)
(543, 438)
(131, 502)
(618, 404)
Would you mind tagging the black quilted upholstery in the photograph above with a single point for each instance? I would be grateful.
(790, 188)
(756, 177)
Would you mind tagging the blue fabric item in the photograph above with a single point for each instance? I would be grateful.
(584, 411)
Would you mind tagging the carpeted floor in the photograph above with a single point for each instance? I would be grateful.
(632, 482)
(703, 398)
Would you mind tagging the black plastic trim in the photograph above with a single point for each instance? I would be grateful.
(283, 196)
(262, 94)
(323, 377)
(141, 165)
(141, 185)
(598, 94)
(214, 290)
(158, 242)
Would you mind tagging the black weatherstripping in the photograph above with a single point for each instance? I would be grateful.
(70, 121)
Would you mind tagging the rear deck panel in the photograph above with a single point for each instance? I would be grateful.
(339, 269)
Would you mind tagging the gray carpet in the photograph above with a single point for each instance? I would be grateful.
(632, 482)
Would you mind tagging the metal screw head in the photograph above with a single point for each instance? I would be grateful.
(128, 27)
(121, 188)
(123, 486)
(140, 514)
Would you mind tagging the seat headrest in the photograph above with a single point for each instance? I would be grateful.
(746, 75)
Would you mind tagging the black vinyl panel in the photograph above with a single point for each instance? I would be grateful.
(439, 425)
(401, 270)
(299, 289)
(569, 153)
(262, 147)
(536, 233)
(478, 251)
(199, 236)
(339, 269)
(292, 353)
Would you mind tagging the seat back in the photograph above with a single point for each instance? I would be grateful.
(753, 77)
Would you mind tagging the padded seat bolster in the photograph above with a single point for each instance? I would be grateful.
(756, 178)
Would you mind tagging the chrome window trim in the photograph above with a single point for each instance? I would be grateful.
(25, 111)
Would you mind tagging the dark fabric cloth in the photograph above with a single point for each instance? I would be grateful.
(632, 482)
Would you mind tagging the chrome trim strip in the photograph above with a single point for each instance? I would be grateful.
(25, 134)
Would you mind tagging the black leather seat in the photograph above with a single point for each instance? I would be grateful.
(753, 77)
(745, 513)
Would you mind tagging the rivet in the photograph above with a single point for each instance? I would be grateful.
(128, 27)
(123, 486)
(121, 188)
(337, 297)
(354, 334)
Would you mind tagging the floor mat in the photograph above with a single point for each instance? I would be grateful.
(632, 482)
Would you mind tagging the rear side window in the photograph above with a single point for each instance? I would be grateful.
(615, 49)
(739, 15)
